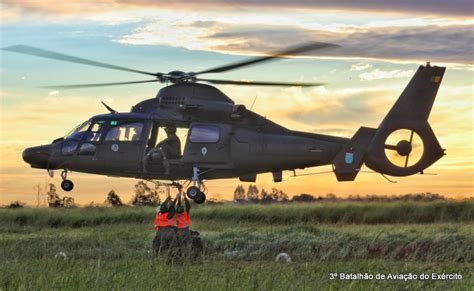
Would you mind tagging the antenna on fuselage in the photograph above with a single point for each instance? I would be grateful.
(109, 108)
(253, 103)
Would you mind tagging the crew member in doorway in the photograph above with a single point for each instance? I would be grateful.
(170, 146)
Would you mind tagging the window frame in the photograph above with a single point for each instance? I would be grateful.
(101, 131)
(122, 122)
(74, 131)
(217, 128)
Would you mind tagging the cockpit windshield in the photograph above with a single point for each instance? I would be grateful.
(78, 132)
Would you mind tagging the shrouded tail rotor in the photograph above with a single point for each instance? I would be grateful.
(404, 143)
(404, 148)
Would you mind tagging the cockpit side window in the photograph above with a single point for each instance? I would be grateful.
(73, 137)
(88, 146)
(93, 135)
(125, 131)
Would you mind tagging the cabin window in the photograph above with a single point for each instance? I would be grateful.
(130, 131)
(204, 134)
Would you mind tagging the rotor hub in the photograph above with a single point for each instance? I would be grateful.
(176, 77)
(404, 148)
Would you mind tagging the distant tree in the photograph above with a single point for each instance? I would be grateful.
(264, 195)
(354, 198)
(145, 196)
(16, 204)
(252, 193)
(91, 205)
(154, 197)
(278, 195)
(303, 198)
(239, 193)
(331, 197)
(274, 196)
(113, 199)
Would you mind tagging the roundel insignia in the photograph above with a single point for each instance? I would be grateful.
(114, 147)
(203, 151)
(349, 158)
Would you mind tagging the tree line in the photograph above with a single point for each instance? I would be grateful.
(146, 195)
(253, 195)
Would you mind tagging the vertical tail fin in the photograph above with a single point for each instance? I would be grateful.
(406, 126)
(417, 99)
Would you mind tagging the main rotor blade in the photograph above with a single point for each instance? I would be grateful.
(29, 50)
(252, 61)
(251, 83)
(65, 87)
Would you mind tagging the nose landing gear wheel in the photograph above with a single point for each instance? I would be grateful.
(67, 185)
(200, 198)
(192, 192)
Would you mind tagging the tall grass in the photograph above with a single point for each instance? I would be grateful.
(334, 213)
(109, 248)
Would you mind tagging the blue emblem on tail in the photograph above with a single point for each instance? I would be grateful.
(349, 158)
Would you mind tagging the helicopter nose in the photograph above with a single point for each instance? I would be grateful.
(37, 157)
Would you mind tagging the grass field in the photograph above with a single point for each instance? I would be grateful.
(109, 248)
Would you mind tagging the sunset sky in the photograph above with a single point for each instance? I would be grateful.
(382, 45)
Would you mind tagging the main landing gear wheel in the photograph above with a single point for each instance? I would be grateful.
(192, 192)
(200, 198)
(67, 185)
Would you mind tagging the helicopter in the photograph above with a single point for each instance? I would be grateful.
(227, 140)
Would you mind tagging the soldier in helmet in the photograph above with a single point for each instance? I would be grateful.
(165, 239)
(182, 223)
(170, 146)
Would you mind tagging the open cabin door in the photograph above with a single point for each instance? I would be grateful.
(208, 145)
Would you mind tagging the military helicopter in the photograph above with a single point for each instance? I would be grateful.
(227, 140)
